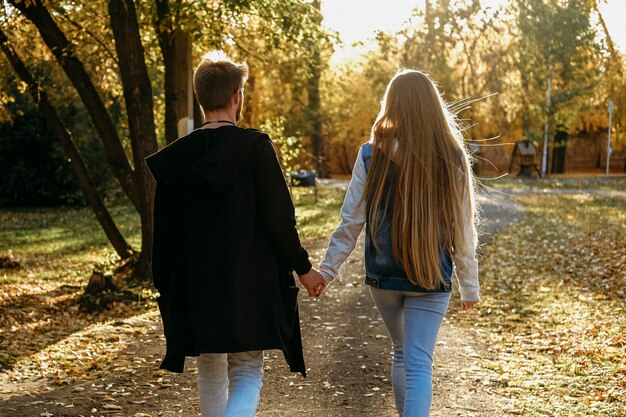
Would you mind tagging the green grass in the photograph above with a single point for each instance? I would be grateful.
(317, 220)
(61, 231)
(59, 243)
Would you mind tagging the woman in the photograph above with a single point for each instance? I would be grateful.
(412, 187)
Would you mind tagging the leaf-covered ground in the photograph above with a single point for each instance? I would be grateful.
(554, 292)
(569, 182)
(547, 340)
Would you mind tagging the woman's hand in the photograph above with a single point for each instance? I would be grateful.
(467, 305)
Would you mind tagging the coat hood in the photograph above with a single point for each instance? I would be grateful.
(207, 157)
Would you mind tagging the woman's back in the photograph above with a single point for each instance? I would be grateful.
(419, 154)
(383, 270)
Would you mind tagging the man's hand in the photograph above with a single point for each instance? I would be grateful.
(313, 282)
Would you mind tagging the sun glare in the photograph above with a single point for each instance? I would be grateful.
(357, 21)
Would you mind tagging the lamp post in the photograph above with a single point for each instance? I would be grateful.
(544, 156)
(609, 150)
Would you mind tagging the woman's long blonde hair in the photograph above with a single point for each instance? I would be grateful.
(421, 165)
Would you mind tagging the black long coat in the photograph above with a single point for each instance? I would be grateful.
(225, 243)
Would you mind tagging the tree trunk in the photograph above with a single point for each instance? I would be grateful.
(165, 33)
(55, 124)
(139, 108)
(615, 55)
(314, 103)
(346, 164)
(174, 43)
(168, 50)
(183, 84)
(248, 111)
(560, 151)
(63, 50)
(599, 141)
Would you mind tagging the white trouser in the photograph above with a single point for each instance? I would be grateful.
(230, 383)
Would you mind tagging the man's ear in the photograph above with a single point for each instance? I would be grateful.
(236, 97)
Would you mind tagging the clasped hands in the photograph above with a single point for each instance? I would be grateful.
(313, 282)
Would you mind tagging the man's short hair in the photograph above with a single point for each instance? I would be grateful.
(216, 79)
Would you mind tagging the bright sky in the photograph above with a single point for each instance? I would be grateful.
(357, 20)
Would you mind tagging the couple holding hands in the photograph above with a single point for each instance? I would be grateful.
(225, 239)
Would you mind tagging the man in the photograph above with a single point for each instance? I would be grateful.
(225, 244)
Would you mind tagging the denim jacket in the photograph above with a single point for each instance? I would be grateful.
(381, 268)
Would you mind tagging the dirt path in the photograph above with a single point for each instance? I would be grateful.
(346, 347)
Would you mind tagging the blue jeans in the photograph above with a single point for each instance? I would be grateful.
(230, 383)
(413, 322)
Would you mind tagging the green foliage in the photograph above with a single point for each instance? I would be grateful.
(317, 220)
(471, 51)
(280, 40)
(428, 44)
(557, 40)
(459, 44)
(289, 148)
(35, 171)
(274, 36)
(33, 167)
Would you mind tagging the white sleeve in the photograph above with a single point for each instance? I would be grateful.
(344, 238)
(466, 264)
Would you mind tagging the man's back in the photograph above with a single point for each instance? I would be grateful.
(225, 243)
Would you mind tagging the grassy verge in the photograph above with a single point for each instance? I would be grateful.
(317, 220)
(554, 292)
(59, 244)
(63, 244)
(612, 183)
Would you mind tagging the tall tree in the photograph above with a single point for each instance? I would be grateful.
(429, 44)
(171, 39)
(138, 98)
(555, 44)
(278, 56)
(55, 124)
(614, 82)
(313, 110)
(140, 111)
(64, 52)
